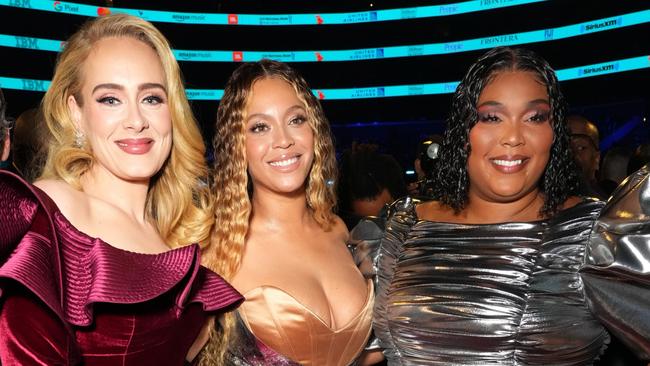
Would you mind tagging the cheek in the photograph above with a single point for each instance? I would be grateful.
(100, 121)
(160, 118)
(305, 136)
(480, 140)
(542, 139)
(255, 149)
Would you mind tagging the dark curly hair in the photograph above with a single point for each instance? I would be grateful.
(451, 180)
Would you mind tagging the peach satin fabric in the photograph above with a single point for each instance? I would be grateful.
(281, 322)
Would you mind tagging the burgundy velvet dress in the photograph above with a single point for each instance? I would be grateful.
(68, 299)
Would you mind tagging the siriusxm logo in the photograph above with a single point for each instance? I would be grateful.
(598, 69)
(381, 92)
(379, 53)
(600, 25)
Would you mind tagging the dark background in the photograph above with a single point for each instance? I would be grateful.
(395, 123)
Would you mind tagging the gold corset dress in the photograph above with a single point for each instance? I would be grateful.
(282, 323)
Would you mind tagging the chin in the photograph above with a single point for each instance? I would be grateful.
(290, 187)
(139, 175)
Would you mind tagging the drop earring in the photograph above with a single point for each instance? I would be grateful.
(79, 139)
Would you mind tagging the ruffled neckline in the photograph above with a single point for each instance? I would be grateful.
(89, 271)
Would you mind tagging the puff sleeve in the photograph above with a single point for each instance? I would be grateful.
(616, 272)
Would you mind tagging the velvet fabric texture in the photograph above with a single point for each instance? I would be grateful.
(67, 298)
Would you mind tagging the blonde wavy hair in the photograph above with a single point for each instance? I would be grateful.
(231, 181)
(179, 202)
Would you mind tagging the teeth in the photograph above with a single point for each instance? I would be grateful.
(284, 162)
(507, 162)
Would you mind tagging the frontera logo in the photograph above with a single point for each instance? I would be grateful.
(57, 6)
(321, 95)
(319, 56)
(319, 19)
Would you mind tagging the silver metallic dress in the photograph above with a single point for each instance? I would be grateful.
(527, 293)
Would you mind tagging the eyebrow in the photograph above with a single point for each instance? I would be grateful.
(141, 87)
(493, 103)
(290, 109)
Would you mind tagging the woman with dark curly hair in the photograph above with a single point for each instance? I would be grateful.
(507, 266)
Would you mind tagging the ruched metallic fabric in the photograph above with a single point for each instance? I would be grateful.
(526, 293)
(283, 324)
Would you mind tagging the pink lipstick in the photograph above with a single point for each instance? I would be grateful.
(135, 146)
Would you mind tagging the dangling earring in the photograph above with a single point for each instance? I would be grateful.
(79, 139)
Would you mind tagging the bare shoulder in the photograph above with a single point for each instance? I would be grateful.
(64, 195)
(339, 230)
(571, 201)
(433, 211)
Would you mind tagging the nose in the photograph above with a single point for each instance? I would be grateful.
(282, 138)
(136, 120)
(512, 135)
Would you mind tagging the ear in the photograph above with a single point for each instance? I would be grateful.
(6, 148)
(75, 112)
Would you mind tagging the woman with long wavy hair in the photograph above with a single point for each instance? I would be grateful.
(276, 236)
(88, 273)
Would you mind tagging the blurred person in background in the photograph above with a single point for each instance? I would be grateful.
(5, 134)
(584, 143)
(639, 158)
(368, 181)
(424, 164)
(30, 144)
(614, 168)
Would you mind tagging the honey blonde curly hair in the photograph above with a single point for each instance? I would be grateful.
(230, 183)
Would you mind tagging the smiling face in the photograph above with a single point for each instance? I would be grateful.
(511, 141)
(122, 109)
(279, 139)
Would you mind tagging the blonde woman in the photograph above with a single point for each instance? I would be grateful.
(275, 236)
(86, 271)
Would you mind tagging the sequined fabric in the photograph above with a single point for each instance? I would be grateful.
(536, 293)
